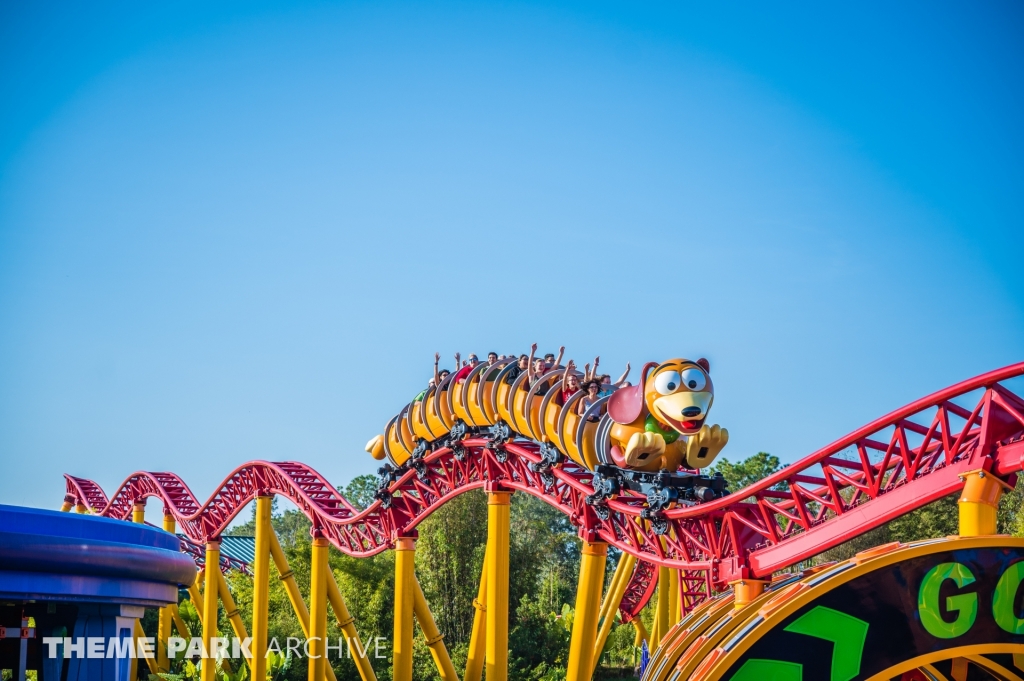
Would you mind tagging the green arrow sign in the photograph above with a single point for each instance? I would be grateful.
(846, 632)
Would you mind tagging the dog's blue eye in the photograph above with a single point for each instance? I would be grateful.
(694, 379)
(667, 382)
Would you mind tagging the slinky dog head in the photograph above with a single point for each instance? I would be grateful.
(678, 393)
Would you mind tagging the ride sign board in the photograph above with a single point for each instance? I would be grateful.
(926, 607)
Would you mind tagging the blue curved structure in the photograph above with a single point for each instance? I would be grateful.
(79, 576)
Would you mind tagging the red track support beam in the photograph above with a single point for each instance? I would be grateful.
(889, 467)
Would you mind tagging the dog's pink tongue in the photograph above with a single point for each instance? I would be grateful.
(689, 424)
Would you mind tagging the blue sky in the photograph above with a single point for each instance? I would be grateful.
(240, 230)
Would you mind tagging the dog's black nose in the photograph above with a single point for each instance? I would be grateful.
(690, 412)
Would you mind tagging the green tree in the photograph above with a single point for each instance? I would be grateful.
(748, 471)
(361, 490)
(290, 526)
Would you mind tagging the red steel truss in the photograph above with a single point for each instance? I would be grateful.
(889, 467)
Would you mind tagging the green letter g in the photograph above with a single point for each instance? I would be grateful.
(964, 604)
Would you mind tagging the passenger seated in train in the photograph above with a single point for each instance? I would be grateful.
(587, 401)
(492, 361)
(522, 365)
(466, 368)
(537, 383)
(570, 381)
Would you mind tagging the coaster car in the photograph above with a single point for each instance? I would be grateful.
(651, 436)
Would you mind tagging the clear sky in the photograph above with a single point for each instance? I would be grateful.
(240, 230)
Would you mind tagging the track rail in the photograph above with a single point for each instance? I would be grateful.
(889, 467)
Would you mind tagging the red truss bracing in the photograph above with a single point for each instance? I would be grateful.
(885, 469)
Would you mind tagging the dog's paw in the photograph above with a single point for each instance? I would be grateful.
(704, 446)
(643, 449)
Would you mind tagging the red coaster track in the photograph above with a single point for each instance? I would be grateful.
(889, 467)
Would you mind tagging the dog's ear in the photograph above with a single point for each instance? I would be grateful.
(704, 364)
(626, 404)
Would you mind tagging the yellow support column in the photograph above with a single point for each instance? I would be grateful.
(261, 587)
(347, 624)
(163, 627)
(231, 611)
(179, 623)
(69, 503)
(288, 578)
(610, 607)
(405, 597)
(979, 503)
(663, 613)
(195, 595)
(318, 611)
(496, 657)
(138, 516)
(150, 661)
(209, 672)
(478, 637)
(654, 638)
(641, 632)
(435, 641)
(588, 605)
(673, 597)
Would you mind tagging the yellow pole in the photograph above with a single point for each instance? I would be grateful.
(69, 503)
(261, 587)
(588, 605)
(150, 662)
(138, 516)
(194, 594)
(673, 597)
(435, 641)
(237, 625)
(179, 623)
(298, 605)
(606, 604)
(979, 503)
(662, 613)
(208, 672)
(496, 657)
(80, 508)
(163, 627)
(641, 632)
(286, 576)
(347, 624)
(654, 639)
(478, 637)
(318, 611)
(405, 579)
(623, 572)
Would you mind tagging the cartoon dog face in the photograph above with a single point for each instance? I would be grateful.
(678, 393)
